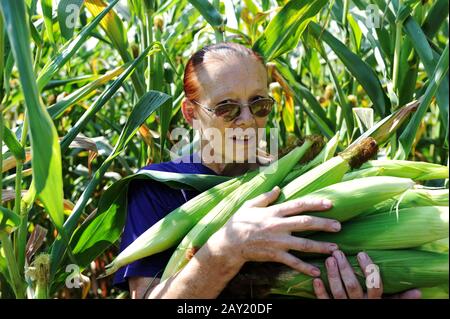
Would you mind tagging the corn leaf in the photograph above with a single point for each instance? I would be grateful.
(46, 154)
(284, 30)
(69, 49)
(68, 12)
(47, 11)
(13, 144)
(150, 102)
(427, 57)
(357, 67)
(408, 135)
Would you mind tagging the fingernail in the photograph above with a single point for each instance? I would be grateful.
(362, 256)
(336, 226)
(331, 262)
(276, 189)
(333, 247)
(326, 203)
(316, 283)
(315, 272)
(339, 254)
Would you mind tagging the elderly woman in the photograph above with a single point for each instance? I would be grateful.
(226, 87)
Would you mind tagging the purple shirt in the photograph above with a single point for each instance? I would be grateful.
(148, 202)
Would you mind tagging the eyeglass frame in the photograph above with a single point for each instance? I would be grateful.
(240, 104)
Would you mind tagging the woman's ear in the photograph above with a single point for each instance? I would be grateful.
(188, 110)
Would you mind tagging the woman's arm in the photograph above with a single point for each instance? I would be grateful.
(255, 233)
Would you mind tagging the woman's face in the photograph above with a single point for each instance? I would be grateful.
(231, 79)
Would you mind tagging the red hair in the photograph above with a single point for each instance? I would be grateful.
(223, 49)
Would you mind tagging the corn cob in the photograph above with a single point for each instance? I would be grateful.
(411, 227)
(330, 172)
(169, 230)
(412, 198)
(400, 270)
(438, 246)
(326, 154)
(354, 197)
(419, 171)
(218, 216)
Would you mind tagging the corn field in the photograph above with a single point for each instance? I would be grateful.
(90, 91)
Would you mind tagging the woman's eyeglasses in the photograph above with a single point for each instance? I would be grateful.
(231, 110)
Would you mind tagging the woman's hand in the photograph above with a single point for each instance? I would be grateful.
(344, 284)
(260, 233)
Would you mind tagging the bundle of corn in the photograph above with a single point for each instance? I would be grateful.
(321, 176)
(400, 270)
(171, 229)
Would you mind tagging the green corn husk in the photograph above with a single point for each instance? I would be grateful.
(438, 246)
(219, 215)
(326, 154)
(354, 197)
(169, 230)
(410, 227)
(439, 292)
(330, 172)
(400, 270)
(412, 198)
(419, 171)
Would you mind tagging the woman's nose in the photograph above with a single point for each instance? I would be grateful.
(246, 117)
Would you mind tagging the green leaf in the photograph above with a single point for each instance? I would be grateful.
(357, 67)
(8, 220)
(103, 99)
(407, 138)
(284, 30)
(13, 144)
(69, 49)
(435, 17)
(47, 11)
(427, 57)
(356, 31)
(115, 30)
(45, 150)
(68, 12)
(92, 238)
(82, 93)
(150, 102)
(211, 15)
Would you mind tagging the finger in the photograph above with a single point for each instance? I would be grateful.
(297, 264)
(351, 283)
(319, 289)
(305, 245)
(334, 279)
(304, 223)
(374, 284)
(410, 294)
(265, 199)
(300, 205)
